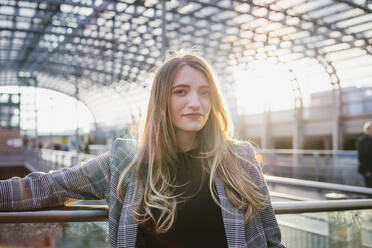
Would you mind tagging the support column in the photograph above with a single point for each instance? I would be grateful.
(337, 134)
(298, 129)
(327, 143)
(337, 120)
(266, 136)
(298, 135)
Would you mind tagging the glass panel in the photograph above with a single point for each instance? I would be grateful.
(3, 123)
(4, 98)
(342, 229)
(14, 121)
(61, 235)
(15, 98)
(327, 229)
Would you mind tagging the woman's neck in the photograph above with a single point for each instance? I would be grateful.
(186, 141)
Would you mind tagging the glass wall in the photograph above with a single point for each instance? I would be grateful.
(9, 110)
(327, 229)
(61, 235)
(342, 229)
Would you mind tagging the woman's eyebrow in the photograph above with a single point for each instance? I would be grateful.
(188, 86)
(180, 85)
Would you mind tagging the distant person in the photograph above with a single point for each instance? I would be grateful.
(57, 147)
(185, 183)
(25, 141)
(364, 147)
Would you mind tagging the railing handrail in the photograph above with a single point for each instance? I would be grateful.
(307, 152)
(43, 216)
(100, 212)
(295, 207)
(275, 151)
(290, 197)
(318, 185)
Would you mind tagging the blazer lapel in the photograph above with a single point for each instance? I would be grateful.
(128, 226)
(233, 219)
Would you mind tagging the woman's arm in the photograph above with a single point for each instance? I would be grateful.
(269, 222)
(41, 190)
(270, 225)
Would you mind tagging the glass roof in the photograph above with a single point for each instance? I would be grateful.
(108, 48)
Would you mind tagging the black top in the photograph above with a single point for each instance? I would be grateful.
(198, 221)
(364, 146)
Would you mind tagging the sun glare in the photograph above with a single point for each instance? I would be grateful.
(265, 86)
(56, 113)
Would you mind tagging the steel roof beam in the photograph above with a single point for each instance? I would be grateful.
(358, 6)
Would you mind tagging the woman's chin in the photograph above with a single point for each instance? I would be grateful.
(190, 128)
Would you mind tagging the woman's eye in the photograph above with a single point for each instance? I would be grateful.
(205, 93)
(180, 92)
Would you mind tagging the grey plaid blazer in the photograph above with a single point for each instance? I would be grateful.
(98, 179)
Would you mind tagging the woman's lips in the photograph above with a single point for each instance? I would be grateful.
(193, 116)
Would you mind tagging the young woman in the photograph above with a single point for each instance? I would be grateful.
(186, 183)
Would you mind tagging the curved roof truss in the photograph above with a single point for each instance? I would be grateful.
(102, 44)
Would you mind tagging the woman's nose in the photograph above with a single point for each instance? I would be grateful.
(194, 100)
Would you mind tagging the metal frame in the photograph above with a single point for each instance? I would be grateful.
(320, 206)
(118, 42)
(100, 213)
(80, 212)
(318, 185)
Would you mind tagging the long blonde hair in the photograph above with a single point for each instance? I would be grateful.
(157, 153)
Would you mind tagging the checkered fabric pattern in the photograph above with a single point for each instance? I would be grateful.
(98, 179)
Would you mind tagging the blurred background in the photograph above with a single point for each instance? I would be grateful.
(296, 75)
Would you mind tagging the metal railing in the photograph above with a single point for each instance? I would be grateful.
(314, 153)
(319, 165)
(46, 159)
(318, 185)
(64, 158)
(90, 213)
(79, 213)
(100, 213)
(321, 206)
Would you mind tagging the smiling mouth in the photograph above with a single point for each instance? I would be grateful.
(193, 115)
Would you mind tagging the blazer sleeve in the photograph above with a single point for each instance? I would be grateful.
(42, 190)
(269, 222)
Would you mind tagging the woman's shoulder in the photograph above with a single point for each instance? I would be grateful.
(120, 143)
(244, 148)
(247, 152)
(123, 148)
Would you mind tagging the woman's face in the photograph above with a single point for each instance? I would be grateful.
(189, 100)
